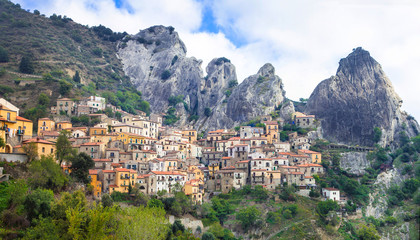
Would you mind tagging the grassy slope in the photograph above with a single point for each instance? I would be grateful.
(55, 46)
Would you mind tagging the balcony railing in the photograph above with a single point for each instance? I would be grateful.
(125, 177)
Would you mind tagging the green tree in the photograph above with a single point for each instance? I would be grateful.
(80, 165)
(63, 146)
(107, 200)
(65, 87)
(377, 134)
(76, 77)
(155, 203)
(67, 201)
(207, 112)
(45, 228)
(2, 143)
(38, 203)
(324, 207)
(46, 173)
(165, 75)
(368, 233)
(208, 236)
(4, 55)
(248, 216)
(26, 65)
(142, 223)
(43, 99)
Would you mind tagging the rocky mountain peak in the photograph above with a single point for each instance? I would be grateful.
(267, 70)
(357, 99)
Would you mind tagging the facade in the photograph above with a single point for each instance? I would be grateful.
(331, 193)
(65, 105)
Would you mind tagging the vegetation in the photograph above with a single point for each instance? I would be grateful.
(80, 165)
(165, 75)
(26, 65)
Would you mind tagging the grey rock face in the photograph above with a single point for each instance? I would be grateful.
(154, 51)
(157, 51)
(257, 95)
(356, 100)
(354, 162)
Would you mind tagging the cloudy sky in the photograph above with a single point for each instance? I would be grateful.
(303, 39)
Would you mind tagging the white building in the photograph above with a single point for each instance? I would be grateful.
(331, 193)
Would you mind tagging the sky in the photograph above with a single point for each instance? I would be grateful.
(303, 39)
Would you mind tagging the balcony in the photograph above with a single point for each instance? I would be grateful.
(125, 177)
(21, 132)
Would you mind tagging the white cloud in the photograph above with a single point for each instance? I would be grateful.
(303, 39)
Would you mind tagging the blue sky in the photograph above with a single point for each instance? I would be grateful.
(304, 39)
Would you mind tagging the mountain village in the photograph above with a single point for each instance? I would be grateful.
(137, 151)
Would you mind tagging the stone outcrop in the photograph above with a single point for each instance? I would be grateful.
(257, 95)
(155, 61)
(354, 162)
(356, 100)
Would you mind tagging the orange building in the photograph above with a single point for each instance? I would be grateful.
(94, 181)
(43, 147)
(195, 189)
(45, 124)
(123, 179)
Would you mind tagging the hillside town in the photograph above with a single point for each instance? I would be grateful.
(138, 151)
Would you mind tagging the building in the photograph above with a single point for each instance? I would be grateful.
(43, 147)
(305, 121)
(13, 128)
(65, 105)
(331, 193)
(95, 183)
(63, 125)
(315, 156)
(45, 124)
(195, 190)
(123, 179)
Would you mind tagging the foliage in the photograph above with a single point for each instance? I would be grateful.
(43, 99)
(288, 193)
(165, 75)
(80, 165)
(155, 203)
(2, 143)
(222, 208)
(5, 89)
(221, 60)
(65, 87)
(377, 134)
(107, 34)
(324, 207)
(44, 229)
(4, 55)
(31, 151)
(208, 236)
(107, 200)
(248, 216)
(46, 173)
(174, 100)
(314, 194)
(118, 196)
(63, 146)
(38, 203)
(142, 223)
(26, 65)
(207, 112)
(174, 60)
(233, 83)
(170, 117)
(97, 52)
(68, 201)
(76, 77)
(368, 233)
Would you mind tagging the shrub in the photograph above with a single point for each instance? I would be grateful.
(26, 65)
(207, 112)
(377, 134)
(97, 52)
(233, 83)
(165, 75)
(174, 60)
(4, 55)
(221, 60)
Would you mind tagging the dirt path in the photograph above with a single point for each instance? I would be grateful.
(24, 75)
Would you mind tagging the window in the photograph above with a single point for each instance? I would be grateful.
(52, 150)
(8, 116)
(43, 149)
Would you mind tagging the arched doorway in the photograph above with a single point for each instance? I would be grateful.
(8, 148)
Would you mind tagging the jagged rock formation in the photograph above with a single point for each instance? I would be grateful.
(155, 60)
(356, 100)
(257, 95)
(354, 162)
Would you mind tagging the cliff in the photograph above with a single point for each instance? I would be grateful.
(357, 99)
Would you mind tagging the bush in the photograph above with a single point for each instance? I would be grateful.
(165, 75)
(233, 83)
(26, 65)
(97, 52)
(377, 134)
(4, 55)
(38, 203)
(207, 112)
(174, 59)
(248, 216)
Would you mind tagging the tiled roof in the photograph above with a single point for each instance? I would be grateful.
(19, 118)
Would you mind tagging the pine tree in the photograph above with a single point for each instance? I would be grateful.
(26, 65)
(76, 77)
(4, 56)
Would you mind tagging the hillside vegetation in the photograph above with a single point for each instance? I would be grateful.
(56, 56)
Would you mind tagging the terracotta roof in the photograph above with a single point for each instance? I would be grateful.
(108, 171)
(113, 186)
(112, 149)
(93, 172)
(92, 144)
(331, 189)
(143, 176)
(102, 160)
(309, 177)
(19, 118)
(309, 165)
(166, 173)
(308, 151)
(45, 119)
(270, 122)
(295, 173)
(122, 170)
(37, 140)
(244, 161)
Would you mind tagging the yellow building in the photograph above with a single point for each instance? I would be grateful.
(190, 134)
(97, 185)
(63, 125)
(272, 131)
(213, 168)
(195, 189)
(14, 125)
(315, 156)
(199, 174)
(123, 179)
(45, 124)
(97, 131)
(43, 147)
(127, 138)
